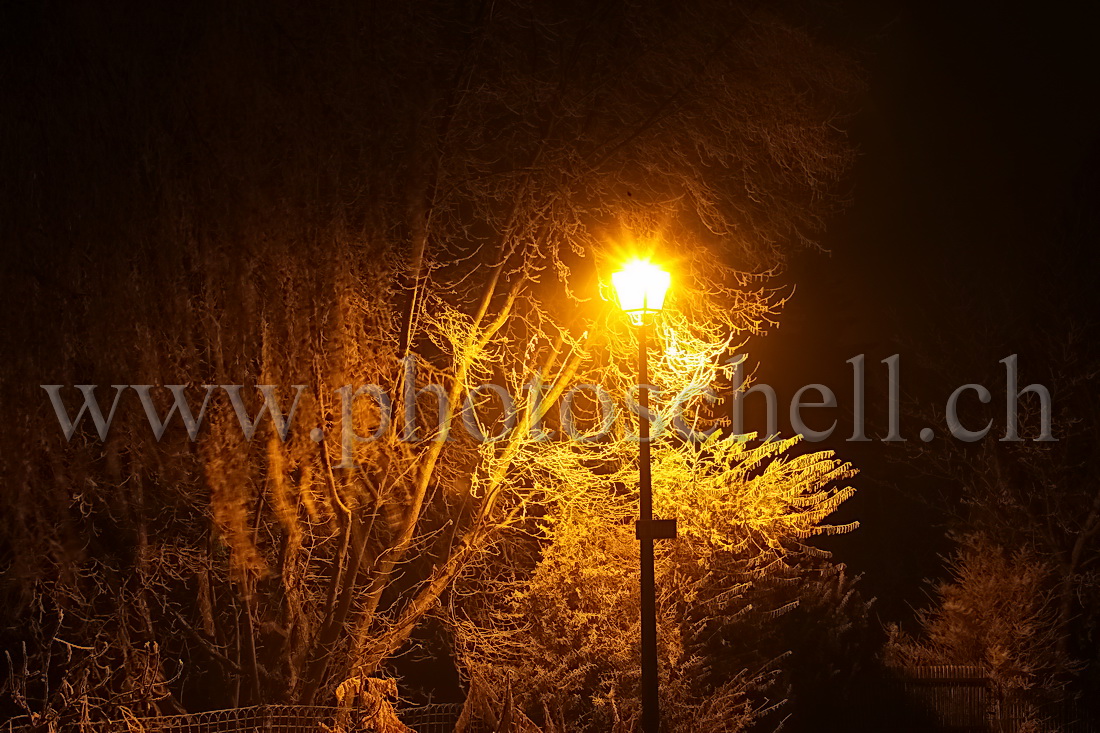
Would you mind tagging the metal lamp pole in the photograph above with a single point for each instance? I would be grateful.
(641, 290)
(651, 711)
(647, 530)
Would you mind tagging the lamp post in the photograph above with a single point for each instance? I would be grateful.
(641, 288)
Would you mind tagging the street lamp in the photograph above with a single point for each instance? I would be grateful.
(640, 287)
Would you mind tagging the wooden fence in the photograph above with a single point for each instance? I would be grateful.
(963, 699)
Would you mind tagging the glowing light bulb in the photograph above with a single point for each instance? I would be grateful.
(641, 287)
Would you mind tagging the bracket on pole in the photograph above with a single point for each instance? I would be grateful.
(655, 529)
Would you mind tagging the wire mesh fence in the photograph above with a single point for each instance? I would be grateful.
(438, 718)
(954, 698)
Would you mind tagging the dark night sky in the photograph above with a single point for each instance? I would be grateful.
(977, 129)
